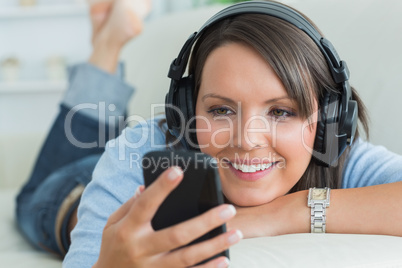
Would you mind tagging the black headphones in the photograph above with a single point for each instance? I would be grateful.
(338, 115)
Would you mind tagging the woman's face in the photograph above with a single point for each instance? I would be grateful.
(247, 121)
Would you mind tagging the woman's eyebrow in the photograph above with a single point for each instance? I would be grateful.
(213, 95)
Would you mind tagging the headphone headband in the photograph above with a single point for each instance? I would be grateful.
(338, 68)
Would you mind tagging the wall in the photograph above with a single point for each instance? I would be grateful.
(365, 33)
(29, 105)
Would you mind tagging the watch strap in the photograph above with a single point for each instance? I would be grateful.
(318, 210)
(318, 218)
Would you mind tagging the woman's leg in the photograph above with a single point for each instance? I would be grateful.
(59, 148)
(62, 170)
(97, 99)
(44, 214)
(69, 155)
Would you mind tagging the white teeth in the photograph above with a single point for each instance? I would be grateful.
(251, 168)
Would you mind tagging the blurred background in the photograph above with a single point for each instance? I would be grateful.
(39, 39)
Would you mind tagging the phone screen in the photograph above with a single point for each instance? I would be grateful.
(199, 191)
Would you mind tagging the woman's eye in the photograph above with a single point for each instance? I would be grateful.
(220, 111)
(278, 112)
(281, 114)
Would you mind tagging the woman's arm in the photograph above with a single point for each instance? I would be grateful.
(366, 210)
(370, 203)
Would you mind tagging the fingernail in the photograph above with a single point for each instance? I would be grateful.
(137, 192)
(141, 188)
(223, 264)
(174, 173)
(228, 212)
(236, 237)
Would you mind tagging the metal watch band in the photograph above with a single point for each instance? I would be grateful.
(318, 210)
(318, 218)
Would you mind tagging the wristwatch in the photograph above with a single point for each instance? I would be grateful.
(318, 201)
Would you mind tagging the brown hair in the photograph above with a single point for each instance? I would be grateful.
(297, 61)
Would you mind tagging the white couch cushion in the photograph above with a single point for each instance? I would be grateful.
(296, 250)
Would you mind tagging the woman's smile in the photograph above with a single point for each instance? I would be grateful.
(251, 172)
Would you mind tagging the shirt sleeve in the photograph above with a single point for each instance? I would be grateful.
(369, 164)
(96, 93)
(115, 179)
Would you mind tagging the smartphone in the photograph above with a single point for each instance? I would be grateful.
(199, 191)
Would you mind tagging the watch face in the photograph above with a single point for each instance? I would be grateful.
(319, 194)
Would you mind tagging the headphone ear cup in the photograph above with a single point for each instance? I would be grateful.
(319, 143)
(188, 87)
(185, 97)
(351, 121)
(182, 98)
(326, 143)
(175, 106)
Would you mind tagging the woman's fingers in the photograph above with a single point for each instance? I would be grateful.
(194, 254)
(139, 190)
(183, 233)
(125, 208)
(221, 262)
(145, 207)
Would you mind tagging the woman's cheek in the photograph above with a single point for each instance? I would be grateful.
(285, 137)
(221, 136)
(213, 135)
(296, 138)
(204, 130)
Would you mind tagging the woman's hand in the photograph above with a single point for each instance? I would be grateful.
(114, 23)
(130, 241)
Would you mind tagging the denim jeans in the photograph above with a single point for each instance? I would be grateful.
(61, 166)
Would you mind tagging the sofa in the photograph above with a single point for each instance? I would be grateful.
(294, 250)
(366, 35)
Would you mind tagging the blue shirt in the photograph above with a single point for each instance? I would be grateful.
(119, 173)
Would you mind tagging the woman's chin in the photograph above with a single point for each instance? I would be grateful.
(246, 201)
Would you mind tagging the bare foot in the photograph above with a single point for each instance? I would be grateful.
(98, 13)
(118, 21)
(114, 23)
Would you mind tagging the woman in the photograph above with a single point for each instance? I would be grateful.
(259, 88)
(251, 72)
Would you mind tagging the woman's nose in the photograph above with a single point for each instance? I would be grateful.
(253, 132)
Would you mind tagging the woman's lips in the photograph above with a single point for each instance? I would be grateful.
(250, 176)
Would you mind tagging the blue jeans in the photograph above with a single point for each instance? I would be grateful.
(61, 167)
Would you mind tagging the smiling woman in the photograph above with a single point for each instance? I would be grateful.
(267, 97)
